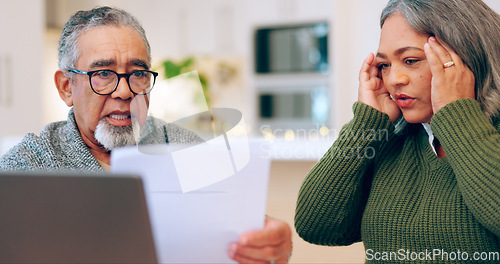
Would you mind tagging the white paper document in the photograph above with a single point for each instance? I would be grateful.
(200, 197)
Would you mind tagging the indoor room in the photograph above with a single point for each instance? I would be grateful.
(289, 67)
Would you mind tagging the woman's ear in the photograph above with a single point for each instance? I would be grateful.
(63, 84)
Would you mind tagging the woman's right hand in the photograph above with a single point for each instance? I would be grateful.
(372, 91)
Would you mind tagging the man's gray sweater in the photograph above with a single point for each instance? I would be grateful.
(60, 146)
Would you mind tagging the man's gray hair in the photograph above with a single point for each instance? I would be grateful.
(82, 21)
(471, 29)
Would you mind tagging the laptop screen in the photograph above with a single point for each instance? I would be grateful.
(74, 218)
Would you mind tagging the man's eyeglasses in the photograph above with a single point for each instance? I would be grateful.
(105, 82)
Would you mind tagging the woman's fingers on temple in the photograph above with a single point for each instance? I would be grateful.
(369, 59)
(369, 67)
(452, 54)
(434, 62)
(444, 52)
(365, 67)
(441, 53)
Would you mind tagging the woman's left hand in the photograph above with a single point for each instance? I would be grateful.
(273, 244)
(451, 78)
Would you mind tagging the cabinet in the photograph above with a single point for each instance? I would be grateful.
(21, 41)
(291, 66)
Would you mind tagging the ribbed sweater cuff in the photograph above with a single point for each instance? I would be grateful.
(368, 117)
(462, 117)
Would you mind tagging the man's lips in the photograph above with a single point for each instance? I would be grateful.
(403, 100)
(119, 118)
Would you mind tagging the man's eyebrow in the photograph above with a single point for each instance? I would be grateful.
(104, 62)
(398, 51)
(101, 63)
(141, 63)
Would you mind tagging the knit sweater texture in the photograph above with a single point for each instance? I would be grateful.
(387, 188)
(61, 147)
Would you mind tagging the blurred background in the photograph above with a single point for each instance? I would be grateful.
(290, 66)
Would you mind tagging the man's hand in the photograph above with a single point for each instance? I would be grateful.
(273, 244)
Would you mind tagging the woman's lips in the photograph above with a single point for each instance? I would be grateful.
(403, 100)
(119, 119)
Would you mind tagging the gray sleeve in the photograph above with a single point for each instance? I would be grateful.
(178, 134)
(27, 155)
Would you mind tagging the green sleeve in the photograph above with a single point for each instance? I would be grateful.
(333, 195)
(472, 147)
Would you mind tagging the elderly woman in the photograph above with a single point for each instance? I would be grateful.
(426, 184)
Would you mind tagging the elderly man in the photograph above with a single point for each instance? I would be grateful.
(104, 61)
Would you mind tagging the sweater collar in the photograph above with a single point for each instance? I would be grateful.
(428, 129)
(85, 158)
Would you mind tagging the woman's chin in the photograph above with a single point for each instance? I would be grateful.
(417, 117)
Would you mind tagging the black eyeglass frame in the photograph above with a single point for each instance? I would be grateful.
(120, 75)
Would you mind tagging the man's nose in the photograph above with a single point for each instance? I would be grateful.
(122, 90)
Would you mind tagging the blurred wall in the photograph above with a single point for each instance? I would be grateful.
(225, 28)
(178, 28)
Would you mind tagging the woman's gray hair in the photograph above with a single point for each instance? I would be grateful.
(82, 21)
(471, 29)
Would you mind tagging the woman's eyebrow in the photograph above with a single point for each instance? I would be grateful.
(403, 49)
(399, 51)
(380, 55)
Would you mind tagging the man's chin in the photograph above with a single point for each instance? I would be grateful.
(111, 137)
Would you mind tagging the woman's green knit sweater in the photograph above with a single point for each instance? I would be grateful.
(389, 190)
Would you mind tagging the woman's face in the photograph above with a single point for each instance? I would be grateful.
(404, 69)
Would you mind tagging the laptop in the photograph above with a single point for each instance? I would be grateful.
(74, 218)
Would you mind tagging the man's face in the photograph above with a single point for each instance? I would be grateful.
(120, 49)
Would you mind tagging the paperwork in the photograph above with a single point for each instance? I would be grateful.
(201, 197)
